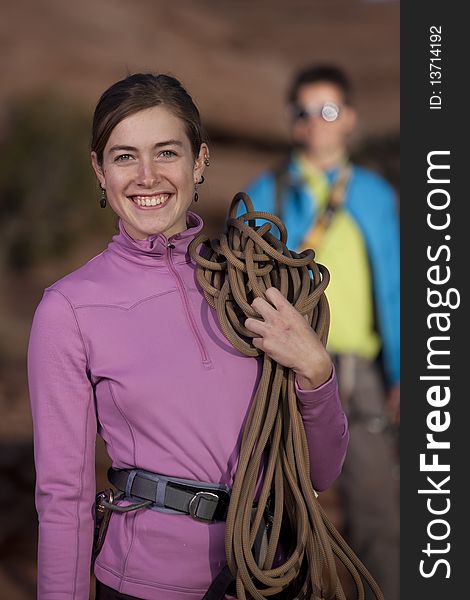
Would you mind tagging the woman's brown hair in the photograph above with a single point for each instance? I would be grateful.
(138, 92)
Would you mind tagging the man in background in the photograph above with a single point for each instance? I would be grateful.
(348, 215)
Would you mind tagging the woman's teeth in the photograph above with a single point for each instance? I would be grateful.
(151, 200)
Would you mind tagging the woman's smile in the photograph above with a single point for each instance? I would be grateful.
(150, 201)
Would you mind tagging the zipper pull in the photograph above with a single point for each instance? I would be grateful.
(170, 246)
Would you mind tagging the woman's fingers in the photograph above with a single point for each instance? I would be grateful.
(256, 326)
(263, 308)
(280, 302)
(277, 319)
(285, 336)
(277, 307)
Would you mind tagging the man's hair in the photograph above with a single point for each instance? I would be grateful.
(321, 74)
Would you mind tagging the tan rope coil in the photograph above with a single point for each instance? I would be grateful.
(232, 270)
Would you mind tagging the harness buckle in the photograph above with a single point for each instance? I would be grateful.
(203, 505)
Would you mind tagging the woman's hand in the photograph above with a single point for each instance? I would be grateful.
(287, 338)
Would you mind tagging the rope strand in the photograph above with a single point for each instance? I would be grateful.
(232, 271)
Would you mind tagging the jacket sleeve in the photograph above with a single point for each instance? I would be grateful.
(374, 207)
(387, 280)
(327, 431)
(262, 192)
(64, 422)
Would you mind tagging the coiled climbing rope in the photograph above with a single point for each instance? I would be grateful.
(232, 270)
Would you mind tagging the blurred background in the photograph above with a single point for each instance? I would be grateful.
(236, 59)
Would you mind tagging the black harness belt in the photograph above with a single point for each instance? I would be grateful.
(202, 501)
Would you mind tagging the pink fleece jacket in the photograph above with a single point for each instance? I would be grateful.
(127, 347)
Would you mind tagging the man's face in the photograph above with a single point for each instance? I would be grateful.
(313, 132)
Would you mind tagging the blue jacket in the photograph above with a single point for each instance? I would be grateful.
(371, 202)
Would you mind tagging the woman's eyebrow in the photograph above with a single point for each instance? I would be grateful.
(120, 148)
(168, 143)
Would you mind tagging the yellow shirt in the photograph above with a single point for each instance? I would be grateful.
(342, 251)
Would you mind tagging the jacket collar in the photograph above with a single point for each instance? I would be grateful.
(151, 251)
(295, 170)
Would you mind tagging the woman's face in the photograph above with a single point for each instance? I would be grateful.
(149, 172)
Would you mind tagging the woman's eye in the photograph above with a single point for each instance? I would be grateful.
(122, 158)
(168, 153)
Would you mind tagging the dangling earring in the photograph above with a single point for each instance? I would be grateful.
(206, 161)
(196, 195)
(103, 200)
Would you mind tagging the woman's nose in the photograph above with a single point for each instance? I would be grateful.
(147, 174)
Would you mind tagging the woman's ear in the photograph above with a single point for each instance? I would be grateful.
(200, 162)
(98, 170)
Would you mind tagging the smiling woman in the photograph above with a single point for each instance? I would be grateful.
(127, 347)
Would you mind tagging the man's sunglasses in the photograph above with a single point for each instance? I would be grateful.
(329, 111)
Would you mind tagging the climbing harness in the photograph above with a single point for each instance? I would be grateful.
(202, 501)
(232, 270)
(206, 502)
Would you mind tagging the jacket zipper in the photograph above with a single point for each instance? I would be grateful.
(206, 361)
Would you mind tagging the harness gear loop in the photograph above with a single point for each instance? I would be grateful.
(232, 270)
